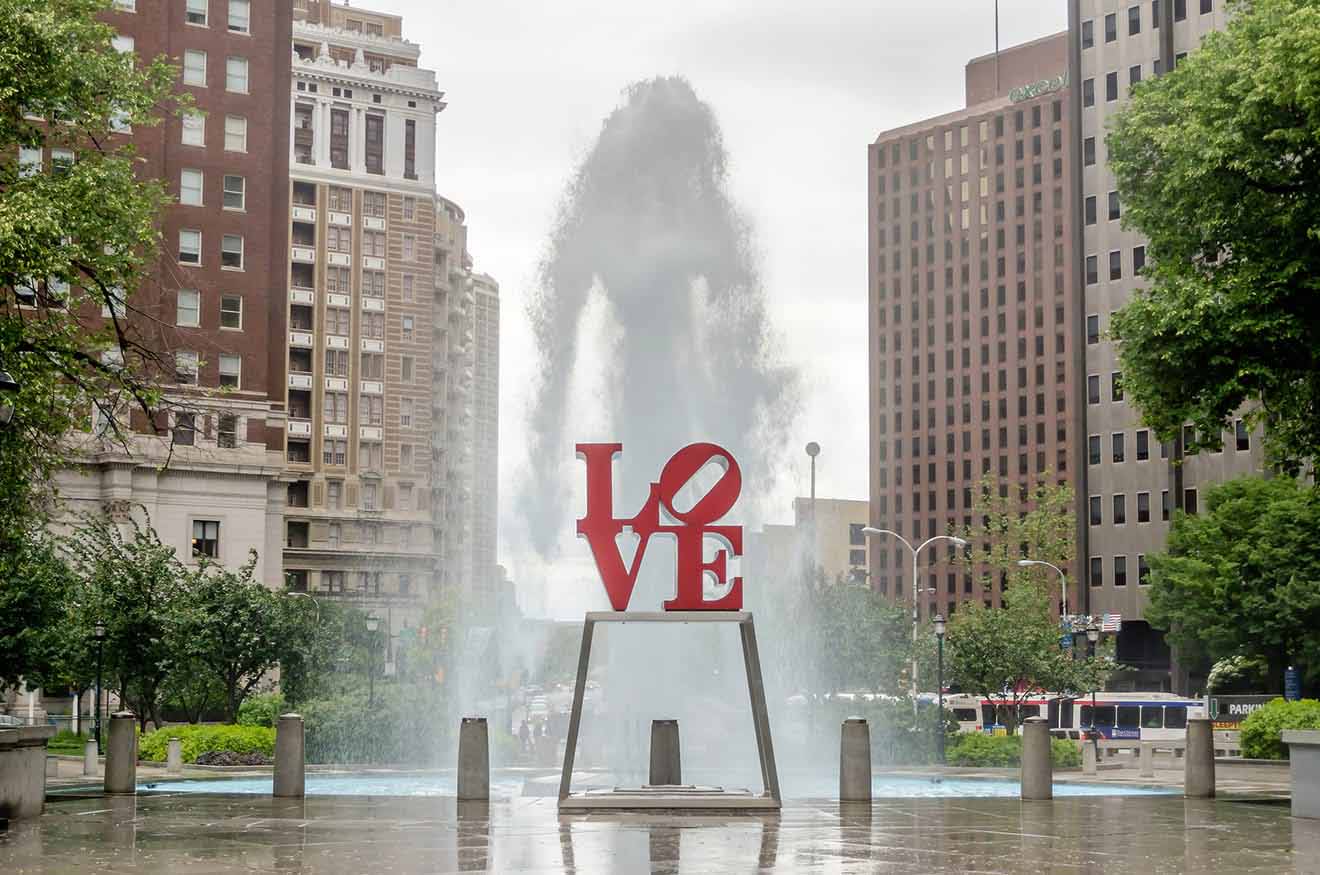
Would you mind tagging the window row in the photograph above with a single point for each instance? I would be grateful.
(194, 131)
(198, 14)
(894, 151)
(190, 249)
(195, 71)
(1119, 505)
(187, 363)
(192, 186)
(1096, 571)
(1115, 265)
(188, 310)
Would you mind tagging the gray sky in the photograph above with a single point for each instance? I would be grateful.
(799, 89)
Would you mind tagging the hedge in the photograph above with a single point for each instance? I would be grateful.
(205, 738)
(1260, 731)
(1005, 751)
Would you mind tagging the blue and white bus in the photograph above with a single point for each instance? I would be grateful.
(1136, 716)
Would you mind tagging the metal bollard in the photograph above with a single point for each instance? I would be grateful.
(290, 762)
(855, 760)
(1199, 764)
(90, 753)
(1037, 765)
(1089, 754)
(666, 757)
(174, 757)
(473, 759)
(121, 754)
(1147, 759)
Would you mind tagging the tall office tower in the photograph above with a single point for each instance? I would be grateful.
(1132, 482)
(214, 299)
(362, 312)
(485, 437)
(973, 311)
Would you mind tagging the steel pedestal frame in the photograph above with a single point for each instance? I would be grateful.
(687, 798)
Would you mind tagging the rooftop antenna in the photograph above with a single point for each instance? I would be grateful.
(996, 47)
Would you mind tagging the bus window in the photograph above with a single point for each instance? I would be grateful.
(1128, 715)
(1152, 717)
(964, 715)
(1104, 715)
(988, 715)
(1175, 717)
(1025, 711)
(1065, 707)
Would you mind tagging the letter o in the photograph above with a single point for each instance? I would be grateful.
(681, 468)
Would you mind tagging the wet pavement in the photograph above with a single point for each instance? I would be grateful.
(226, 834)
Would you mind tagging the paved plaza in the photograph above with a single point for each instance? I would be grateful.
(202, 834)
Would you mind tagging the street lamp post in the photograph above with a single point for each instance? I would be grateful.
(98, 632)
(813, 450)
(1092, 636)
(939, 688)
(373, 624)
(916, 586)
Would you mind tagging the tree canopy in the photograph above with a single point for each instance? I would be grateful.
(1218, 165)
(1242, 578)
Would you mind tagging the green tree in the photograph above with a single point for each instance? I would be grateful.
(1218, 165)
(1243, 577)
(126, 577)
(32, 639)
(1011, 525)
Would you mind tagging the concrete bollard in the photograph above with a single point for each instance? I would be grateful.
(666, 756)
(52, 766)
(290, 762)
(90, 753)
(174, 757)
(473, 759)
(121, 754)
(1199, 764)
(855, 760)
(1147, 759)
(1089, 757)
(1037, 765)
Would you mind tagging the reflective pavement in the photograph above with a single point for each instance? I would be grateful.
(213, 834)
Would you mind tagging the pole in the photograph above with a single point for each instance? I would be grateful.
(996, 47)
(916, 618)
(939, 715)
(371, 675)
(97, 703)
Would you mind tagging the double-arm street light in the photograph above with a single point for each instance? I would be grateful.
(1063, 584)
(1092, 636)
(916, 585)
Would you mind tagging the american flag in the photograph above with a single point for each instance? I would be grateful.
(1111, 623)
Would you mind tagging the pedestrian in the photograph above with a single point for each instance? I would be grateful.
(524, 736)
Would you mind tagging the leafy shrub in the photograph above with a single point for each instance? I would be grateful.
(1005, 751)
(260, 710)
(208, 738)
(229, 758)
(1260, 731)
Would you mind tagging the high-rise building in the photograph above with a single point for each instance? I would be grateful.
(973, 311)
(209, 478)
(362, 295)
(485, 429)
(1132, 482)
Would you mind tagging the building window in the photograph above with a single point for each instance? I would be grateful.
(1242, 435)
(1134, 75)
(409, 207)
(194, 68)
(1092, 270)
(1143, 570)
(1093, 449)
(1116, 386)
(1189, 501)
(195, 12)
(1097, 571)
(234, 192)
(372, 409)
(231, 311)
(1119, 441)
(375, 143)
(373, 204)
(339, 139)
(1138, 259)
(1116, 264)
(409, 247)
(231, 251)
(410, 149)
(406, 369)
(1111, 86)
(407, 326)
(405, 457)
(1164, 505)
(1111, 27)
(1134, 20)
(1088, 151)
(335, 408)
(370, 456)
(1120, 571)
(405, 413)
(1207, 6)
(1093, 389)
(194, 128)
(231, 368)
(206, 538)
(185, 368)
(239, 16)
(373, 244)
(188, 307)
(1088, 92)
(235, 133)
(407, 287)
(1096, 510)
(334, 452)
(190, 247)
(1143, 507)
(334, 493)
(1088, 34)
(338, 239)
(1093, 329)
(1120, 509)
(1143, 445)
(185, 429)
(369, 499)
(1090, 210)
(190, 188)
(1179, 10)
(236, 75)
(226, 432)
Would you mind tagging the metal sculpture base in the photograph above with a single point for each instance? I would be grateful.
(684, 796)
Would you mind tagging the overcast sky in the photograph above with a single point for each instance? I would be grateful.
(799, 89)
